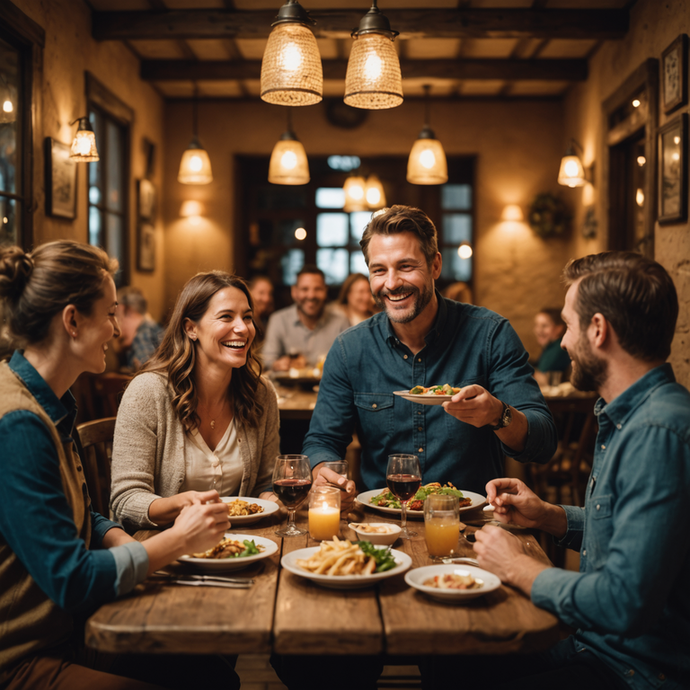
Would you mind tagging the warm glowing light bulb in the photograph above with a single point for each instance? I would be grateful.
(357, 192)
(291, 57)
(571, 169)
(300, 234)
(427, 159)
(676, 140)
(373, 67)
(83, 147)
(639, 198)
(636, 103)
(7, 106)
(289, 160)
(373, 196)
(195, 164)
(464, 251)
(675, 156)
(5, 220)
(641, 160)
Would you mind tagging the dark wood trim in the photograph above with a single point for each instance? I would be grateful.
(418, 23)
(22, 27)
(512, 69)
(100, 95)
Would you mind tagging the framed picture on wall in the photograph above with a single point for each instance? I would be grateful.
(146, 246)
(673, 168)
(61, 180)
(147, 200)
(674, 75)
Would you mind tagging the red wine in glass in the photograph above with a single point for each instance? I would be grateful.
(404, 477)
(291, 491)
(403, 486)
(291, 483)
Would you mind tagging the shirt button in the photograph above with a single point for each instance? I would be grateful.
(419, 413)
(584, 552)
(419, 428)
(661, 676)
(421, 450)
(419, 359)
(619, 426)
(78, 468)
(603, 447)
(404, 356)
(630, 673)
(214, 461)
(374, 405)
(598, 506)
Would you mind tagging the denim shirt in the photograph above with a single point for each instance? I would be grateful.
(35, 519)
(466, 345)
(631, 599)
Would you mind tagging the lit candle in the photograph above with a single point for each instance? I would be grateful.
(324, 513)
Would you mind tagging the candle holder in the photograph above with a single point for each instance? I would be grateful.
(324, 513)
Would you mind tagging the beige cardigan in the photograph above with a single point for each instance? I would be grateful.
(148, 450)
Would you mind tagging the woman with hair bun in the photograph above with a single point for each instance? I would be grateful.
(58, 558)
(199, 421)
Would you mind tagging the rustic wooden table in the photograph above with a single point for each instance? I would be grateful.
(288, 614)
(295, 402)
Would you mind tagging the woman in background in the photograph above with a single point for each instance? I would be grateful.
(355, 300)
(548, 330)
(58, 558)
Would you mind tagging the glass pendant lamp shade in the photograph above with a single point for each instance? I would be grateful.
(355, 199)
(571, 174)
(291, 71)
(195, 166)
(373, 80)
(427, 162)
(84, 143)
(373, 193)
(289, 164)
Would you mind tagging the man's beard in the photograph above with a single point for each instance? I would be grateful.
(317, 315)
(589, 372)
(421, 300)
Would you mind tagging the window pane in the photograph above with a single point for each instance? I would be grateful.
(291, 263)
(330, 197)
(457, 228)
(115, 242)
(10, 120)
(95, 227)
(95, 169)
(334, 263)
(456, 197)
(331, 229)
(358, 221)
(455, 268)
(9, 221)
(115, 146)
(358, 264)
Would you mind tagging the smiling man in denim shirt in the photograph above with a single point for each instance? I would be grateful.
(630, 602)
(421, 338)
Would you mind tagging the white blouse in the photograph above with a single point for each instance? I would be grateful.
(203, 466)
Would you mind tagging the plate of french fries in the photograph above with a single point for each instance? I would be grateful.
(341, 564)
(242, 510)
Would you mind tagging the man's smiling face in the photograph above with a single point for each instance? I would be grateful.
(401, 280)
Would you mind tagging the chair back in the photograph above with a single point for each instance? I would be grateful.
(95, 443)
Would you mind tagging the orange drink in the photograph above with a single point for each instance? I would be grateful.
(442, 534)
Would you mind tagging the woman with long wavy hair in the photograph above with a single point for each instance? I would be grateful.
(199, 421)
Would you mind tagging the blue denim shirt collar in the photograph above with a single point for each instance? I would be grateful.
(619, 409)
(436, 329)
(63, 411)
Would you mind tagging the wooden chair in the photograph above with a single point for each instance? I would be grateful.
(95, 442)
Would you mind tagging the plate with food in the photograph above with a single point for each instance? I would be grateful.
(233, 552)
(452, 584)
(433, 395)
(341, 564)
(243, 510)
(381, 533)
(386, 502)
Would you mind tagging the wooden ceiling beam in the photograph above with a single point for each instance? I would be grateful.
(509, 69)
(411, 23)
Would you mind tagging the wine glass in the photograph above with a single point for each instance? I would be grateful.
(403, 478)
(291, 484)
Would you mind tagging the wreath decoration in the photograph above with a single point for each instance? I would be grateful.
(548, 215)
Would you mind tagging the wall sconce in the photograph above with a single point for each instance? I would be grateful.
(355, 199)
(373, 193)
(84, 143)
(195, 166)
(192, 211)
(288, 164)
(427, 162)
(572, 172)
(373, 80)
(291, 71)
(512, 213)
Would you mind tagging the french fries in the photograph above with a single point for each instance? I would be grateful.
(338, 558)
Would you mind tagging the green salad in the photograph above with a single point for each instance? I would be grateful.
(384, 559)
(387, 500)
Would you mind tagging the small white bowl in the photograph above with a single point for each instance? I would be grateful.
(379, 538)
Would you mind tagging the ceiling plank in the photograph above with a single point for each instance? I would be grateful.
(419, 23)
(510, 69)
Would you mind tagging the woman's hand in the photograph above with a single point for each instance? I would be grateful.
(322, 476)
(163, 511)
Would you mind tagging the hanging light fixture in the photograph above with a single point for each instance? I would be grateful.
(373, 193)
(84, 143)
(291, 71)
(289, 164)
(373, 79)
(572, 172)
(8, 98)
(355, 199)
(195, 166)
(427, 162)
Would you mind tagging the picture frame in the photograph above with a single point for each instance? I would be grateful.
(146, 203)
(146, 246)
(674, 77)
(61, 180)
(673, 168)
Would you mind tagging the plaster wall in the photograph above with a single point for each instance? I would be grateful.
(69, 51)
(518, 147)
(653, 26)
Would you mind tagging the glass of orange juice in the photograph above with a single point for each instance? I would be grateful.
(324, 513)
(441, 525)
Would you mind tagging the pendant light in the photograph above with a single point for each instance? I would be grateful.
(355, 199)
(195, 166)
(288, 163)
(572, 172)
(373, 193)
(84, 143)
(427, 162)
(373, 79)
(291, 71)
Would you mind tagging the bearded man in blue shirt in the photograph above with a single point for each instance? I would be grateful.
(422, 339)
(630, 602)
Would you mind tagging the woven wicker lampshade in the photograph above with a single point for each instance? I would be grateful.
(373, 80)
(355, 199)
(84, 143)
(291, 72)
(373, 193)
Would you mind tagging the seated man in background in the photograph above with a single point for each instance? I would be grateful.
(630, 603)
(548, 330)
(141, 335)
(301, 334)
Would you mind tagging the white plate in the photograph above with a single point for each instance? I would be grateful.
(377, 538)
(423, 399)
(268, 508)
(365, 499)
(289, 562)
(222, 564)
(416, 578)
